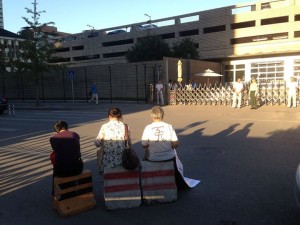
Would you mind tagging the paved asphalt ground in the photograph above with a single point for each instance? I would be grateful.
(246, 161)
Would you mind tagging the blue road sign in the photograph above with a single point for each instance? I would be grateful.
(71, 74)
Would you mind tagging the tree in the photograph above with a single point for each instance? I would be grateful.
(36, 49)
(186, 48)
(147, 49)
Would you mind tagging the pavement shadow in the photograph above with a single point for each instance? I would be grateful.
(244, 179)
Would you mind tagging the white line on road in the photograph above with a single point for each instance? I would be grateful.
(24, 135)
(14, 150)
(38, 132)
(28, 119)
(8, 129)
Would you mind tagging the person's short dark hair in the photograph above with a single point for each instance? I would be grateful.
(59, 125)
(115, 112)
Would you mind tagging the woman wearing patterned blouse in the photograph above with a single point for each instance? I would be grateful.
(112, 136)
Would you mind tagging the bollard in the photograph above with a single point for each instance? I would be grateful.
(9, 111)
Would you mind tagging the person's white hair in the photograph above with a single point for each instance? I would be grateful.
(157, 113)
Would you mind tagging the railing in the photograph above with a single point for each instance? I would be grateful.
(268, 94)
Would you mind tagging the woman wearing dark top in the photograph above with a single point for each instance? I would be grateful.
(66, 147)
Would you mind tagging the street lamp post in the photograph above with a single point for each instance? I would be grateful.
(148, 17)
(93, 28)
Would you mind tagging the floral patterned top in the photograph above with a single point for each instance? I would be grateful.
(112, 134)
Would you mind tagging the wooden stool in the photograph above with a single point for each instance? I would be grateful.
(73, 194)
(158, 182)
(121, 188)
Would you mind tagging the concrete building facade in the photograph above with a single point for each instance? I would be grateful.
(260, 39)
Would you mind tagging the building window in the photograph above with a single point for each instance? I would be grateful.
(244, 9)
(114, 43)
(279, 36)
(228, 76)
(167, 36)
(240, 66)
(259, 38)
(188, 33)
(214, 29)
(234, 72)
(265, 6)
(268, 72)
(297, 34)
(275, 20)
(62, 49)
(297, 17)
(76, 48)
(242, 25)
(60, 60)
(297, 68)
(114, 54)
(86, 57)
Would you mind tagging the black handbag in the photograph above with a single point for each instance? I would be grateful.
(130, 160)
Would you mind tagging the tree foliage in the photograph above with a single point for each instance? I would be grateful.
(154, 48)
(186, 49)
(147, 49)
(36, 50)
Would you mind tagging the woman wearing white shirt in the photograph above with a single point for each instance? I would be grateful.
(112, 135)
(159, 138)
(160, 141)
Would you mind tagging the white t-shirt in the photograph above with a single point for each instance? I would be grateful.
(292, 86)
(159, 87)
(238, 87)
(159, 135)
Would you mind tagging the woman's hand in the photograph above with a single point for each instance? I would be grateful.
(97, 142)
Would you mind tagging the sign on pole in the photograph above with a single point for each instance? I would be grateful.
(71, 74)
(71, 77)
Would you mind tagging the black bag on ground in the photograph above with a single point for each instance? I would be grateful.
(130, 160)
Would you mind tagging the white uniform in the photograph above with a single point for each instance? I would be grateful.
(237, 94)
(292, 92)
(160, 93)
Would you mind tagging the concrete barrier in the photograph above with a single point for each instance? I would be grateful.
(121, 188)
(158, 182)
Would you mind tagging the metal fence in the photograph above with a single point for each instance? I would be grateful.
(221, 94)
(114, 82)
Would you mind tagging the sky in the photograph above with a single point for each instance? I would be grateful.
(74, 16)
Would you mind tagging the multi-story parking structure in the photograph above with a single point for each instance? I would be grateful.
(260, 39)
